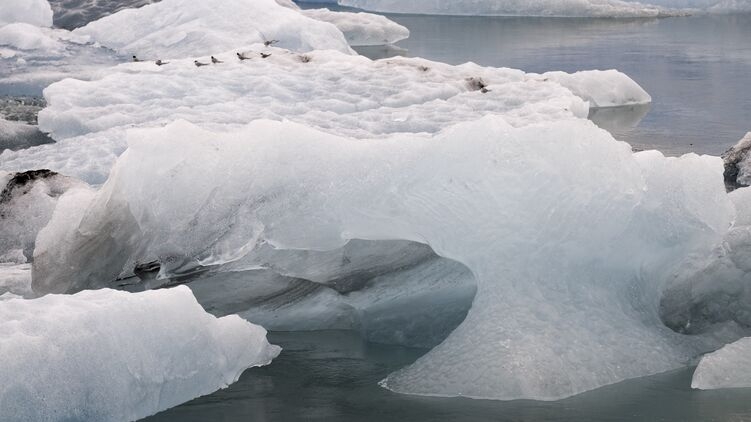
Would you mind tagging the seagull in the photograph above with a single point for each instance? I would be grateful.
(215, 60)
(161, 63)
(199, 64)
(136, 59)
(268, 43)
(242, 57)
(264, 55)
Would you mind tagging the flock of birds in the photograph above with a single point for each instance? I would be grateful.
(214, 60)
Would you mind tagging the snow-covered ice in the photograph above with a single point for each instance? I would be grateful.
(114, 356)
(729, 367)
(335, 92)
(570, 237)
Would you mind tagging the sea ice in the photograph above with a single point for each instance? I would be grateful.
(729, 367)
(569, 236)
(106, 355)
(361, 28)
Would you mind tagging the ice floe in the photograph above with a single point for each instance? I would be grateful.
(114, 356)
(729, 367)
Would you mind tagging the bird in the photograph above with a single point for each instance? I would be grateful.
(242, 57)
(215, 60)
(264, 55)
(136, 59)
(199, 64)
(161, 63)
(484, 90)
(271, 42)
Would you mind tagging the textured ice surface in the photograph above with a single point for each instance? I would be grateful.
(583, 8)
(362, 28)
(15, 279)
(569, 272)
(27, 200)
(34, 12)
(608, 88)
(186, 28)
(113, 356)
(332, 91)
(729, 367)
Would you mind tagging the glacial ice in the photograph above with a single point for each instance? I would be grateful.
(738, 164)
(107, 355)
(342, 94)
(71, 14)
(173, 29)
(569, 236)
(729, 367)
(563, 8)
(361, 28)
(34, 12)
(15, 278)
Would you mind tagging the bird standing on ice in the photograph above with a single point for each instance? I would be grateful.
(136, 59)
(264, 55)
(215, 60)
(161, 63)
(242, 57)
(199, 64)
(268, 43)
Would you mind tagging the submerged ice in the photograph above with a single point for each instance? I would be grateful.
(113, 356)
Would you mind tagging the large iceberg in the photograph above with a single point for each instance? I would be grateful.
(332, 91)
(729, 367)
(185, 28)
(113, 356)
(569, 236)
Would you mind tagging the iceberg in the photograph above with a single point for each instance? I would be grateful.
(328, 90)
(729, 367)
(34, 12)
(107, 355)
(173, 29)
(569, 236)
(361, 28)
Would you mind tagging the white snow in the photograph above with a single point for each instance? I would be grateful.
(113, 356)
(550, 321)
(34, 12)
(186, 28)
(332, 91)
(729, 367)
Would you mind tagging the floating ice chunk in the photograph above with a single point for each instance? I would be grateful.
(602, 88)
(113, 356)
(569, 272)
(187, 28)
(729, 367)
(27, 200)
(579, 8)
(362, 28)
(338, 93)
(34, 12)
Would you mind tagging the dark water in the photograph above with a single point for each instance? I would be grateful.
(333, 376)
(697, 69)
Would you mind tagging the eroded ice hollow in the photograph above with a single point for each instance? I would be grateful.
(569, 236)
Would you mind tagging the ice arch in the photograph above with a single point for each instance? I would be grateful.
(568, 234)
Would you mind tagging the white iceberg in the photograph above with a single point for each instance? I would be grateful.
(34, 12)
(361, 28)
(729, 367)
(570, 237)
(185, 28)
(71, 14)
(114, 356)
(335, 92)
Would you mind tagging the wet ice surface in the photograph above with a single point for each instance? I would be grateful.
(696, 68)
(332, 376)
